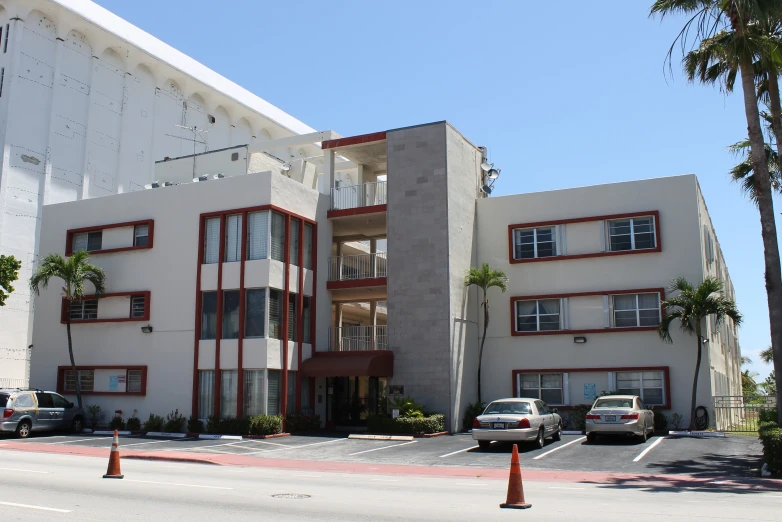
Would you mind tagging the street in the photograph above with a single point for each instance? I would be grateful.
(70, 487)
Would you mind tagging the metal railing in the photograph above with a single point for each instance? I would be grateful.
(7, 382)
(358, 338)
(357, 266)
(357, 196)
(741, 413)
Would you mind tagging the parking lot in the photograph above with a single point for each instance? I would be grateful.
(738, 456)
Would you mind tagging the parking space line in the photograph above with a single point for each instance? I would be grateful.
(78, 440)
(210, 446)
(40, 508)
(559, 448)
(24, 470)
(460, 451)
(647, 450)
(142, 443)
(290, 447)
(384, 447)
(177, 484)
(272, 443)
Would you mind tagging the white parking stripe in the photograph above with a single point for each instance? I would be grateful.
(210, 446)
(40, 508)
(176, 484)
(24, 470)
(295, 447)
(79, 440)
(272, 443)
(558, 448)
(142, 443)
(647, 450)
(460, 451)
(384, 447)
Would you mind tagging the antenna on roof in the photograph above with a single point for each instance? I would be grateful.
(195, 130)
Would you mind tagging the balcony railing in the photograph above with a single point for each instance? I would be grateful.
(357, 266)
(357, 196)
(358, 338)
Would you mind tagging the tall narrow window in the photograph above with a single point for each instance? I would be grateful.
(2, 77)
(229, 383)
(294, 245)
(305, 319)
(292, 330)
(206, 393)
(138, 306)
(274, 393)
(278, 236)
(258, 235)
(212, 241)
(275, 314)
(255, 313)
(141, 235)
(231, 314)
(254, 395)
(308, 246)
(291, 392)
(233, 238)
(5, 42)
(208, 315)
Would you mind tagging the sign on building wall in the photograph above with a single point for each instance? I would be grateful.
(590, 391)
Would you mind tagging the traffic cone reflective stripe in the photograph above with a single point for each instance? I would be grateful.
(515, 498)
(113, 471)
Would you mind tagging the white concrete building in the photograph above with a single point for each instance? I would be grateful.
(371, 275)
(88, 104)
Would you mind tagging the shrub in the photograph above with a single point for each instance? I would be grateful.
(676, 420)
(116, 423)
(134, 424)
(298, 422)
(473, 410)
(175, 421)
(227, 426)
(154, 423)
(95, 415)
(766, 425)
(407, 407)
(660, 420)
(195, 425)
(769, 415)
(771, 438)
(408, 425)
(267, 424)
(575, 419)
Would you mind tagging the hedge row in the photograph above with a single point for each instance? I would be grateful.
(262, 424)
(771, 437)
(407, 425)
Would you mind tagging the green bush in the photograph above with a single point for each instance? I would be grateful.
(298, 422)
(473, 410)
(95, 415)
(660, 420)
(154, 423)
(116, 423)
(195, 425)
(766, 425)
(575, 418)
(133, 424)
(266, 424)
(407, 407)
(769, 415)
(771, 438)
(676, 420)
(407, 425)
(175, 421)
(227, 426)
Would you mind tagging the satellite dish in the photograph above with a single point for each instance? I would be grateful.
(487, 189)
(493, 173)
(486, 167)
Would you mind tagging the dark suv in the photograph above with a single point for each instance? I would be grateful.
(25, 410)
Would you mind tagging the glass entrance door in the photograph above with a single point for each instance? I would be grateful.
(352, 399)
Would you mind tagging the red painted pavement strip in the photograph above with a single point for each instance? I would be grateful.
(587, 477)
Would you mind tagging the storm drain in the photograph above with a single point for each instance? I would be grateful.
(290, 495)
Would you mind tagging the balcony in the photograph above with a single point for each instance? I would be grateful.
(358, 338)
(351, 204)
(356, 267)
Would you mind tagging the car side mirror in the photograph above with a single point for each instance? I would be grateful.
(554, 410)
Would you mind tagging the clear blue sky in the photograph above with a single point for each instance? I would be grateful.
(566, 97)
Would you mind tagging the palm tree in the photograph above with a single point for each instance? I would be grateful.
(743, 173)
(484, 278)
(74, 272)
(691, 306)
(767, 355)
(706, 19)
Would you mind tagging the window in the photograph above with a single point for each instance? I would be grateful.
(294, 243)
(233, 238)
(258, 235)
(632, 234)
(647, 385)
(86, 378)
(636, 310)
(305, 319)
(208, 315)
(542, 408)
(230, 314)
(275, 314)
(138, 306)
(545, 386)
(292, 324)
(89, 241)
(253, 393)
(534, 242)
(141, 235)
(44, 400)
(134, 381)
(278, 236)
(537, 316)
(2, 77)
(83, 310)
(206, 390)
(59, 401)
(5, 44)
(212, 241)
(274, 393)
(25, 400)
(229, 381)
(255, 313)
(291, 392)
(308, 246)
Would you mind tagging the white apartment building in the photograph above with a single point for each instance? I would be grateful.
(253, 292)
(88, 104)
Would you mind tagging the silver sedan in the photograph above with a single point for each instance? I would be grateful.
(619, 415)
(517, 420)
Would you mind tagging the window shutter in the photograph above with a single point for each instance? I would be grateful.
(561, 241)
(606, 311)
(274, 314)
(602, 225)
(294, 242)
(564, 316)
(308, 246)
(212, 241)
(565, 389)
(233, 231)
(611, 381)
(273, 392)
(257, 238)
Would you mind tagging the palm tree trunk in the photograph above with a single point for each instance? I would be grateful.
(73, 363)
(483, 341)
(768, 226)
(776, 108)
(694, 403)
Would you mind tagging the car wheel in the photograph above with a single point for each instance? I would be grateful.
(558, 434)
(591, 438)
(644, 435)
(541, 440)
(23, 429)
(484, 444)
(77, 425)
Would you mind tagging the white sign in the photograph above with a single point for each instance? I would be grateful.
(395, 413)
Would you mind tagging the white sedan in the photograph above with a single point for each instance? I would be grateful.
(517, 420)
(619, 415)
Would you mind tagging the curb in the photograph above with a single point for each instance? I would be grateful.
(572, 432)
(400, 438)
(209, 436)
(165, 434)
(171, 459)
(111, 432)
(430, 435)
(695, 434)
(275, 436)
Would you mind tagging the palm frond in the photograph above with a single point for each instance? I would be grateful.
(486, 277)
(73, 271)
(767, 355)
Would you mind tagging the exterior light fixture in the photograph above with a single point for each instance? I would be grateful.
(286, 167)
(579, 340)
(147, 328)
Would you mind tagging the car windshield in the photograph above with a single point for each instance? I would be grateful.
(519, 408)
(614, 403)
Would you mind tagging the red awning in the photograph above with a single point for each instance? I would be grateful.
(378, 363)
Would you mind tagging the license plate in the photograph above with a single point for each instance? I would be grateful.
(610, 418)
(499, 426)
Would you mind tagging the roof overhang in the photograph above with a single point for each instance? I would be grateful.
(376, 363)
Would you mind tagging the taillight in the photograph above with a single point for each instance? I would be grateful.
(593, 417)
(475, 423)
(8, 412)
(631, 416)
(524, 423)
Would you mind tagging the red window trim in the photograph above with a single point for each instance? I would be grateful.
(665, 369)
(147, 307)
(514, 299)
(149, 222)
(61, 379)
(353, 140)
(657, 248)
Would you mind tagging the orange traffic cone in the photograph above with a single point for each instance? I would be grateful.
(113, 471)
(515, 487)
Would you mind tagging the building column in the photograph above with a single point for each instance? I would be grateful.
(373, 322)
(328, 172)
(337, 335)
(373, 257)
(339, 262)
